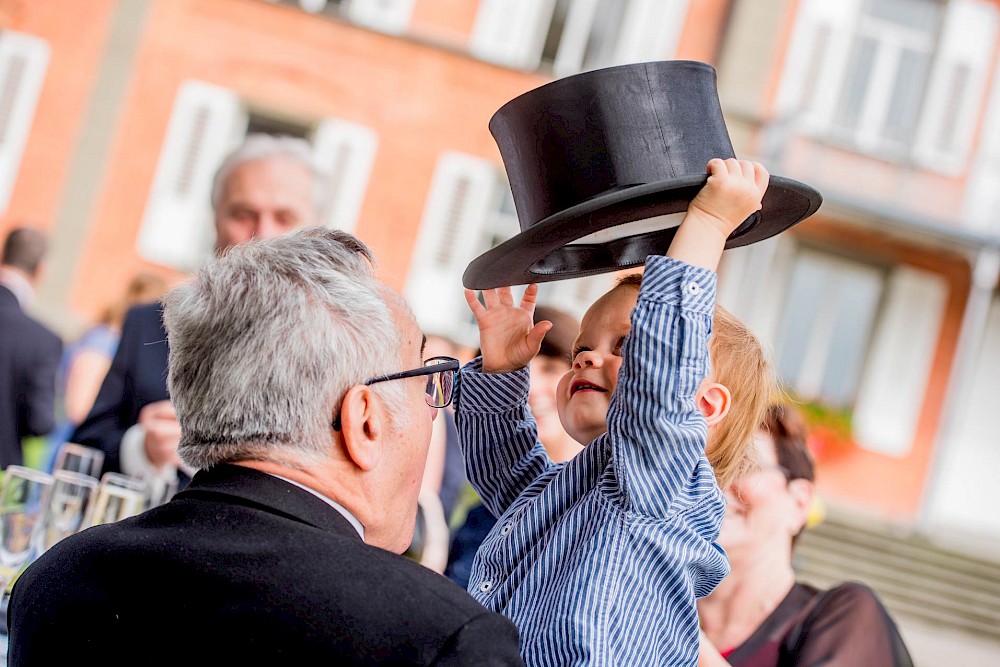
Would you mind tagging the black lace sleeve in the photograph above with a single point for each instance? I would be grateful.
(847, 625)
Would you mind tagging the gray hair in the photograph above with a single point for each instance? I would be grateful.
(267, 340)
(261, 146)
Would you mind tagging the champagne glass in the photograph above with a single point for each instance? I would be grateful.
(71, 497)
(23, 499)
(118, 497)
(84, 460)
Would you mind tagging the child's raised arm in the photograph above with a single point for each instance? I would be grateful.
(734, 191)
(508, 337)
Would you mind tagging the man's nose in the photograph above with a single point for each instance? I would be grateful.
(268, 226)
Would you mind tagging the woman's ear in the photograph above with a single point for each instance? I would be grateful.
(361, 427)
(713, 400)
(801, 491)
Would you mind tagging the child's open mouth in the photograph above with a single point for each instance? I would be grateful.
(583, 385)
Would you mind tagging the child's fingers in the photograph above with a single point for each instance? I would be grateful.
(474, 305)
(506, 298)
(490, 298)
(733, 167)
(529, 298)
(746, 168)
(716, 166)
(538, 332)
(761, 177)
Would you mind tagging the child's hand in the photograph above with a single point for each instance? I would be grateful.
(508, 338)
(733, 192)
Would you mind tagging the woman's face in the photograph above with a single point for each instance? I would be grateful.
(764, 511)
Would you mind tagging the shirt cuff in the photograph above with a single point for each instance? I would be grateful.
(491, 392)
(133, 460)
(668, 280)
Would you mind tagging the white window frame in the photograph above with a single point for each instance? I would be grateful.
(24, 60)
(513, 32)
(817, 67)
(345, 153)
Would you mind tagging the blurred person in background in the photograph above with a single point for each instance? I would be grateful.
(290, 370)
(86, 360)
(759, 615)
(444, 475)
(545, 370)
(266, 187)
(29, 352)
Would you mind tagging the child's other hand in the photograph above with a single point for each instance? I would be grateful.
(508, 337)
(734, 191)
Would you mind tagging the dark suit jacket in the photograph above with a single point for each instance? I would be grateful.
(242, 568)
(29, 359)
(137, 377)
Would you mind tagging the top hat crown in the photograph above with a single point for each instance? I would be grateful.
(602, 166)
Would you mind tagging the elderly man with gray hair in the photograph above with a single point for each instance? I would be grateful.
(305, 401)
(266, 187)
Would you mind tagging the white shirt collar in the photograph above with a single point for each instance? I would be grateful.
(332, 503)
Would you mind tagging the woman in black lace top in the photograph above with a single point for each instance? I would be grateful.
(759, 616)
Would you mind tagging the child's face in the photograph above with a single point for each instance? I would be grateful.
(584, 393)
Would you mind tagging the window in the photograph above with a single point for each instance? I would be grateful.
(391, 16)
(207, 122)
(572, 36)
(23, 62)
(901, 79)
(823, 338)
(887, 73)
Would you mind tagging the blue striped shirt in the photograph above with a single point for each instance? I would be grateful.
(599, 561)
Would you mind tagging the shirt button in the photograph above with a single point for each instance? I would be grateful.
(485, 586)
(506, 529)
(693, 288)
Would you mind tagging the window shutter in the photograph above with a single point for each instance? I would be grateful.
(956, 86)
(895, 377)
(982, 196)
(345, 152)
(391, 16)
(459, 204)
(818, 56)
(651, 30)
(177, 227)
(23, 61)
(511, 32)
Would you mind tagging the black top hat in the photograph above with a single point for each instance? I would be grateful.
(603, 165)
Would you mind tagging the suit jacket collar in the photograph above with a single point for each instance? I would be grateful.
(8, 300)
(247, 486)
(17, 285)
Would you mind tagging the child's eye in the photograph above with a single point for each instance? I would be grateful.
(619, 344)
(578, 350)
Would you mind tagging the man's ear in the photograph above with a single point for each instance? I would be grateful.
(713, 400)
(361, 427)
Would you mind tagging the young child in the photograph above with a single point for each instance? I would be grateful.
(599, 561)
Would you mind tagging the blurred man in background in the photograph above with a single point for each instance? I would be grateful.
(266, 187)
(29, 353)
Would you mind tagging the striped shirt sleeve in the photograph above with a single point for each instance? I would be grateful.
(655, 432)
(498, 435)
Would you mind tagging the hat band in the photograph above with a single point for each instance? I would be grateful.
(654, 224)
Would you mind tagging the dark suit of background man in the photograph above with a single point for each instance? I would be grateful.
(266, 187)
(29, 353)
(283, 549)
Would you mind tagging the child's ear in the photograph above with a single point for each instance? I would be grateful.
(713, 400)
(361, 427)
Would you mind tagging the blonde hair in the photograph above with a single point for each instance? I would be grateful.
(740, 364)
(143, 288)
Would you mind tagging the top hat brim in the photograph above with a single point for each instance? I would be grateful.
(545, 251)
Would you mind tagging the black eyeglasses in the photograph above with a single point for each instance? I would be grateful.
(440, 381)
